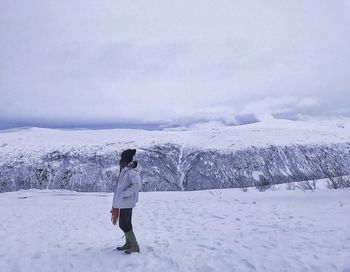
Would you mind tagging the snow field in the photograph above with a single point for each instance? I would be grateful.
(218, 230)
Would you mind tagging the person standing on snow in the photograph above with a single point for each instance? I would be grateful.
(126, 196)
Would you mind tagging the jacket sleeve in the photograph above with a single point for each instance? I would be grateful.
(135, 186)
(114, 202)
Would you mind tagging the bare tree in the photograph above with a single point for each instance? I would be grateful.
(263, 184)
(306, 185)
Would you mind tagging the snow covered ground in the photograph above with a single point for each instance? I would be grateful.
(218, 230)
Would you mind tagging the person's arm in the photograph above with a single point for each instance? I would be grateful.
(115, 192)
(135, 184)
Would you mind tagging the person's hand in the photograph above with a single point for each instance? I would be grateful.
(114, 215)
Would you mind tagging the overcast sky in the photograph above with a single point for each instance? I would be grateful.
(118, 62)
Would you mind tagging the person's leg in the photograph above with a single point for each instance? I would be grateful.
(124, 220)
(125, 226)
(128, 220)
(130, 236)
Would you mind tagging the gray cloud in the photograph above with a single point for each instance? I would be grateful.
(163, 62)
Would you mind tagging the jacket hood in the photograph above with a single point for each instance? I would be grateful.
(135, 165)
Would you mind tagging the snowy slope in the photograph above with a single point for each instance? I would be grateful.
(222, 157)
(37, 141)
(219, 230)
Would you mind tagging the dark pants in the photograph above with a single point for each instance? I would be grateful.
(125, 219)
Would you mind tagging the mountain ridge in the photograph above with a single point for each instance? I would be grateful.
(223, 157)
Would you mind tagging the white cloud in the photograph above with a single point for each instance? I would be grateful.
(172, 61)
(200, 126)
(266, 108)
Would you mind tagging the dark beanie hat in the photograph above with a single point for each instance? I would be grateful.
(128, 155)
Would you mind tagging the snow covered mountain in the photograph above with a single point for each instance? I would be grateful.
(222, 157)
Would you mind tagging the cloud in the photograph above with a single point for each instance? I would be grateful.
(199, 126)
(268, 108)
(165, 62)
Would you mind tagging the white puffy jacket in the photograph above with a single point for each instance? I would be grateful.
(126, 193)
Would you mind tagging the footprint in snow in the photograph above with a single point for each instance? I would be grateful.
(207, 247)
(218, 217)
(248, 265)
(36, 255)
